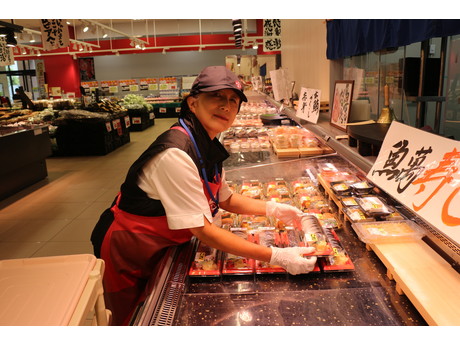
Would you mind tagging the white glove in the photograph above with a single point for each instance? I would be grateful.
(288, 214)
(291, 259)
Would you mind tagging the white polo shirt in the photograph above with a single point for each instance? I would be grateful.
(172, 177)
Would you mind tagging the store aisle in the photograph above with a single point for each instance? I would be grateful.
(56, 216)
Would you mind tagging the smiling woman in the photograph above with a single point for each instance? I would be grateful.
(216, 110)
(174, 191)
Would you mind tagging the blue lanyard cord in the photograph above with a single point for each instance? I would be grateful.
(203, 171)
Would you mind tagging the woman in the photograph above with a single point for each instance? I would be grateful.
(173, 191)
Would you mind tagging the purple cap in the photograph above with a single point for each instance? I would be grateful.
(215, 78)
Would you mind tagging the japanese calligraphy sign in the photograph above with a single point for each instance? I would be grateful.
(55, 34)
(272, 27)
(422, 171)
(6, 53)
(309, 104)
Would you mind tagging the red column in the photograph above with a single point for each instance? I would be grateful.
(62, 71)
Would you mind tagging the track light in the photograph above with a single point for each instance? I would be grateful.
(104, 34)
(80, 48)
(24, 52)
(32, 38)
(255, 46)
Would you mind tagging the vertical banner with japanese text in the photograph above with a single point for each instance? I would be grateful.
(6, 53)
(272, 27)
(422, 171)
(55, 34)
(309, 104)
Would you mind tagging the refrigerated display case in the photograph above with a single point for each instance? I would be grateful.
(408, 282)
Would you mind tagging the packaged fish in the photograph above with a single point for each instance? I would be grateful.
(362, 187)
(355, 214)
(388, 231)
(234, 264)
(374, 205)
(206, 262)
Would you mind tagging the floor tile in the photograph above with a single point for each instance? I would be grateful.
(34, 230)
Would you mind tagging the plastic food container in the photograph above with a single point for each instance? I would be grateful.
(341, 188)
(362, 187)
(374, 206)
(355, 214)
(392, 231)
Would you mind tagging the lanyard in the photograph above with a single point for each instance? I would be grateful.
(203, 170)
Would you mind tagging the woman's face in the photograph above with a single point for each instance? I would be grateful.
(216, 110)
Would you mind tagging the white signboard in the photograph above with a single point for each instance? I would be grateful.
(6, 53)
(55, 34)
(280, 84)
(256, 83)
(309, 104)
(422, 171)
(187, 82)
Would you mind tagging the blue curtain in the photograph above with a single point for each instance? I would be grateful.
(350, 37)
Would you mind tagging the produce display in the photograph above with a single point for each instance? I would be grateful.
(136, 102)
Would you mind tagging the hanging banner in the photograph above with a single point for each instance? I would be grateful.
(6, 53)
(55, 34)
(272, 27)
(422, 171)
(309, 104)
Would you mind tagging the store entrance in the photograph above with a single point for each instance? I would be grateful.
(21, 73)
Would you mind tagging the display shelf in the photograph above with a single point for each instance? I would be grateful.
(23, 151)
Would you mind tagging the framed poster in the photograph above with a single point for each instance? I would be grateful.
(341, 104)
(86, 66)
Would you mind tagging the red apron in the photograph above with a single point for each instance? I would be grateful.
(132, 247)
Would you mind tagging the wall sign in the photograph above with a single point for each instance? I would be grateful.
(422, 171)
(309, 104)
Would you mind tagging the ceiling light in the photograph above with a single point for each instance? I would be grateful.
(80, 48)
(86, 28)
(255, 46)
(32, 38)
(164, 51)
(104, 34)
(24, 52)
(38, 53)
(68, 23)
(74, 56)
